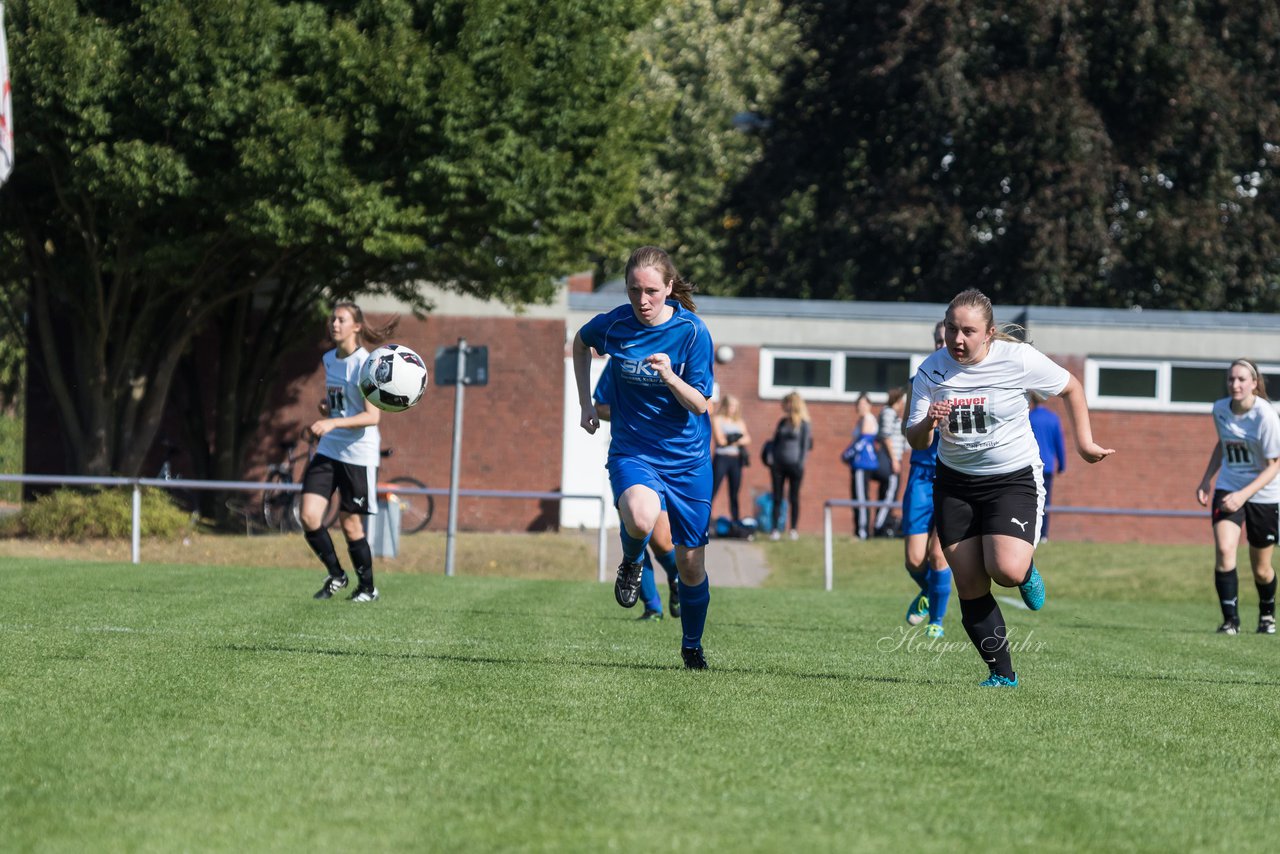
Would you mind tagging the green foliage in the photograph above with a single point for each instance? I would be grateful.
(71, 514)
(142, 706)
(1066, 153)
(705, 62)
(179, 160)
(11, 460)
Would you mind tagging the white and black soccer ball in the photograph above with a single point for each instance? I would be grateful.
(393, 378)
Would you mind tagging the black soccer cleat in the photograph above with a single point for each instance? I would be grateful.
(332, 585)
(650, 616)
(693, 658)
(1229, 627)
(673, 602)
(1267, 624)
(627, 588)
(365, 594)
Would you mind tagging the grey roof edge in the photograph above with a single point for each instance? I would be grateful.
(1028, 316)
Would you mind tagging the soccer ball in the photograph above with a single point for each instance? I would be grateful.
(393, 378)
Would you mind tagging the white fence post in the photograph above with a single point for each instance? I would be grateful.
(137, 523)
(828, 558)
(602, 542)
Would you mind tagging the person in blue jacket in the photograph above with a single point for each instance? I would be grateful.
(1047, 428)
(662, 363)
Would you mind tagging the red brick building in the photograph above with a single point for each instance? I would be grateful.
(1150, 377)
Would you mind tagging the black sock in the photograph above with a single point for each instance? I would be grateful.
(1266, 597)
(1228, 585)
(983, 621)
(362, 560)
(322, 544)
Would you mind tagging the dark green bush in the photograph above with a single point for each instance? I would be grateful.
(72, 514)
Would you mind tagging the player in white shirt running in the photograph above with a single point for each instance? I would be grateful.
(989, 490)
(1246, 459)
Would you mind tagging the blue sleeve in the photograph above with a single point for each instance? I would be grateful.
(1059, 446)
(592, 332)
(603, 394)
(699, 367)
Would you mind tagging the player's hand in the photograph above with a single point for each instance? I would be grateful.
(589, 421)
(318, 429)
(940, 410)
(1092, 452)
(661, 363)
(1231, 502)
(1202, 495)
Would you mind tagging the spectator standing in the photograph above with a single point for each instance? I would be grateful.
(792, 441)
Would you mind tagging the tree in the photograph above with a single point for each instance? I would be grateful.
(711, 67)
(190, 167)
(1073, 152)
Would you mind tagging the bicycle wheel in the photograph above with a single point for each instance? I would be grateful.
(415, 510)
(278, 506)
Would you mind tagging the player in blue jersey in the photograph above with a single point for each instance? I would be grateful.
(1246, 460)
(925, 562)
(661, 361)
(660, 544)
(347, 453)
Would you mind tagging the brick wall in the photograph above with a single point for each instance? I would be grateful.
(511, 428)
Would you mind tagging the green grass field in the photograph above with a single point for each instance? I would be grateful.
(165, 707)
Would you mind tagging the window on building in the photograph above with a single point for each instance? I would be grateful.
(833, 374)
(1162, 385)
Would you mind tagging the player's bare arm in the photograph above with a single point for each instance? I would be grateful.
(920, 434)
(1203, 493)
(1078, 414)
(688, 396)
(588, 419)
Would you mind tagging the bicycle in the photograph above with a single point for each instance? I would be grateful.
(282, 509)
(182, 498)
(416, 510)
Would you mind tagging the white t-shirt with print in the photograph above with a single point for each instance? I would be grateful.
(359, 446)
(988, 431)
(1248, 441)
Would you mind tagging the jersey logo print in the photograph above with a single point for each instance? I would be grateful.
(968, 418)
(1237, 453)
(941, 375)
(1021, 525)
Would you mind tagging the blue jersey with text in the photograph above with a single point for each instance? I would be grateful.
(926, 456)
(648, 423)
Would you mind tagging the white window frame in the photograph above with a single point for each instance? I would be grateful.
(1163, 369)
(835, 391)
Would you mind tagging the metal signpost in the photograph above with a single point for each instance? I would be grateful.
(460, 366)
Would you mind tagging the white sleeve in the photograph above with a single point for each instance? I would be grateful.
(1269, 430)
(920, 399)
(1043, 376)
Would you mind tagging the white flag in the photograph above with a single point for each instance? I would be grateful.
(6, 108)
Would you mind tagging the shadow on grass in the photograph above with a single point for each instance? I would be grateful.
(609, 665)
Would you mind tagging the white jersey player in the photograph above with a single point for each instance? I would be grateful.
(346, 458)
(988, 490)
(1246, 459)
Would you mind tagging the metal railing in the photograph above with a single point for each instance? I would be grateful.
(828, 537)
(137, 483)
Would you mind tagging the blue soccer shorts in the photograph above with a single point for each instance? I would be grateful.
(917, 501)
(687, 495)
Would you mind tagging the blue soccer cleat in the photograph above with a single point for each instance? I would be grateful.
(995, 680)
(918, 610)
(934, 630)
(1032, 590)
